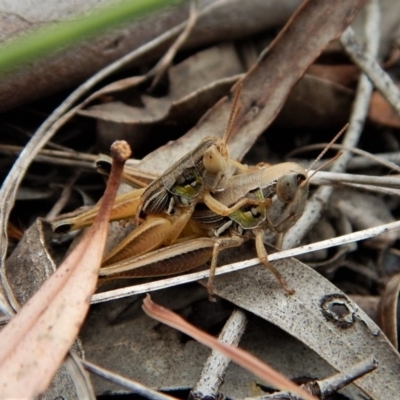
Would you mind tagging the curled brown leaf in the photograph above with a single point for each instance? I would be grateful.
(35, 342)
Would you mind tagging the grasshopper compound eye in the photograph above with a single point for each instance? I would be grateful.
(287, 186)
(301, 179)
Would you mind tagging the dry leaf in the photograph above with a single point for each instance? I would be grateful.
(381, 112)
(51, 319)
(31, 263)
(188, 84)
(317, 314)
(151, 37)
(113, 337)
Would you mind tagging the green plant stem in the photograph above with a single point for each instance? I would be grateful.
(48, 39)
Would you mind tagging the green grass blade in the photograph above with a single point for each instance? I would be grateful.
(48, 39)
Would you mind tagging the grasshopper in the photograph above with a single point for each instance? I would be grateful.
(200, 197)
(270, 198)
(265, 198)
(261, 184)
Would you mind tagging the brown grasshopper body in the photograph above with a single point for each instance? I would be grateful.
(179, 186)
(273, 199)
(197, 208)
(263, 198)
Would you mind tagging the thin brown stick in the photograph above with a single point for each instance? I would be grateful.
(239, 356)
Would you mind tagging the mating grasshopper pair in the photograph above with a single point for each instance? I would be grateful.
(202, 204)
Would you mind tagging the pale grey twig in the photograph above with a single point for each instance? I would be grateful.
(334, 383)
(59, 157)
(64, 197)
(328, 386)
(337, 177)
(370, 188)
(79, 376)
(359, 113)
(130, 384)
(365, 154)
(368, 64)
(215, 367)
(389, 185)
(362, 162)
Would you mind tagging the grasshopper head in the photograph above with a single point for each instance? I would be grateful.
(283, 215)
(216, 164)
(215, 159)
(287, 185)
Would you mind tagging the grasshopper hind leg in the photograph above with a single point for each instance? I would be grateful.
(211, 278)
(220, 244)
(263, 256)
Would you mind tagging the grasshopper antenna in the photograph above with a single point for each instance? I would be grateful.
(233, 115)
(324, 165)
(323, 153)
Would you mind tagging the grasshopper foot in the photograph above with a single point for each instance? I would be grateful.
(289, 291)
(211, 298)
(281, 281)
(210, 290)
